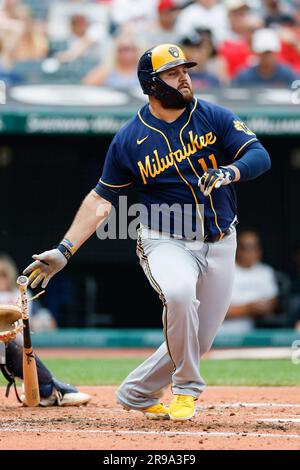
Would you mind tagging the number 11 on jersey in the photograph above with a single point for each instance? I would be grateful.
(213, 160)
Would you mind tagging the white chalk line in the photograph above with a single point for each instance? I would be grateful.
(153, 433)
(248, 405)
(222, 406)
(279, 420)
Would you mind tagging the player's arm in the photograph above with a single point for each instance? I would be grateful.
(93, 211)
(254, 162)
(247, 158)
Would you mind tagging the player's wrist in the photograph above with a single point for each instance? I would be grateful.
(234, 172)
(67, 248)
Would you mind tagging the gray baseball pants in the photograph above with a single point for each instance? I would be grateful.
(194, 281)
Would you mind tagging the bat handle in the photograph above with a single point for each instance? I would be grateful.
(23, 282)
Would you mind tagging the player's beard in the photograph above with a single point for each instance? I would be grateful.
(169, 102)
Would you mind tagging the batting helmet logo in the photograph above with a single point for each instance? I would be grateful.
(174, 52)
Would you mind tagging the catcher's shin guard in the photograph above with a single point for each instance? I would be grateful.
(14, 365)
(6, 373)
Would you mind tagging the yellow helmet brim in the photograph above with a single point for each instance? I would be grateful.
(175, 63)
(167, 56)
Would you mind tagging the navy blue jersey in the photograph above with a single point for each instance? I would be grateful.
(164, 161)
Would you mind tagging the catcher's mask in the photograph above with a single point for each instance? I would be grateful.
(156, 60)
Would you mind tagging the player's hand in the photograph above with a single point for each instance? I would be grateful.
(47, 264)
(215, 178)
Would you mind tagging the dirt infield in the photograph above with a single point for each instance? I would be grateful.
(227, 418)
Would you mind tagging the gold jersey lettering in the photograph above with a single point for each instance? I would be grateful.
(155, 165)
(187, 149)
(146, 170)
(164, 163)
(210, 138)
(179, 155)
(194, 141)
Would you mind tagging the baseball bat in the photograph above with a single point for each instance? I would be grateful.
(30, 377)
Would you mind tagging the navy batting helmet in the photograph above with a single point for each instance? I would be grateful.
(156, 60)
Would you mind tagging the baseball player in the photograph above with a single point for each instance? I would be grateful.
(52, 392)
(181, 151)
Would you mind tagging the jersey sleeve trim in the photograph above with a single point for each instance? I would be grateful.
(107, 194)
(115, 185)
(243, 146)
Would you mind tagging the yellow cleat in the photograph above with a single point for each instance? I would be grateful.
(182, 408)
(157, 412)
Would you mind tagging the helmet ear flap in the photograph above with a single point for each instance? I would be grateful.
(147, 81)
(146, 76)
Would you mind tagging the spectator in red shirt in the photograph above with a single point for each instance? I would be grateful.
(268, 71)
(290, 37)
(236, 48)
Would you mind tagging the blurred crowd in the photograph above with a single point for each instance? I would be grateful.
(98, 42)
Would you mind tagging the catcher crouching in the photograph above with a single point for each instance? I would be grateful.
(52, 391)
